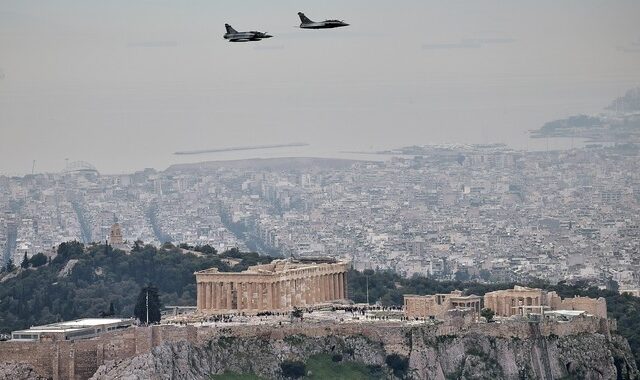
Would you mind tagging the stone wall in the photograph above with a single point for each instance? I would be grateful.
(81, 358)
(593, 306)
(78, 360)
(393, 333)
(438, 305)
(522, 300)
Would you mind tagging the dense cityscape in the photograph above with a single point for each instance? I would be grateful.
(482, 212)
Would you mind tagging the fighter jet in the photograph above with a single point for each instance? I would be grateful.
(234, 36)
(308, 24)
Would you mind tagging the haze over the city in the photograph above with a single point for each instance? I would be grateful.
(124, 84)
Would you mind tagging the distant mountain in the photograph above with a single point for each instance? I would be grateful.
(621, 123)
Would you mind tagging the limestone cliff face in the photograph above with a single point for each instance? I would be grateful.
(468, 356)
(585, 356)
(18, 371)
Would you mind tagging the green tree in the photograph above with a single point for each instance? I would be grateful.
(399, 364)
(9, 267)
(206, 249)
(487, 314)
(148, 297)
(613, 285)
(69, 250)
(38, 260)
(293, 369)
(112, 312)
(462, 275)
(25, 262)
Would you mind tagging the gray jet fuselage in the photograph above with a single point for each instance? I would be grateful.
(306, 23)
(234, 36)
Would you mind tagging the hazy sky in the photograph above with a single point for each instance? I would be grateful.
(124, 84)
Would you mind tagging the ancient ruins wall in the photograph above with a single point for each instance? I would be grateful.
(597, 307)
(39, 355)
(80, 359)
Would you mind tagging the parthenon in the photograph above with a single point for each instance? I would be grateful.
(278, 286)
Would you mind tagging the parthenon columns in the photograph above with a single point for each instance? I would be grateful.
(280, 285)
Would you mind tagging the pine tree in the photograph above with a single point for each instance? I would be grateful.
(9, 267)
(140, 310)
(38, 260)
(25, 262)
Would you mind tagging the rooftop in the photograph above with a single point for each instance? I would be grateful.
(277, 266)
(75, 325)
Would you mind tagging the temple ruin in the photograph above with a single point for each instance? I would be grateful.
(438, 305)
(522, 300)
(278, 286)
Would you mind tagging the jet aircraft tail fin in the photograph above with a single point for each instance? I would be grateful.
(304, 19)
(230, 29)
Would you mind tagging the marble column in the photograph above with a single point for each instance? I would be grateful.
(345, 283)
(313, 288)
(240, 293)
(236, 295)
(199, 296)
(253, 297)
(287, 290)
(213, 295)
(269, 303)
(332, 284)
(249, 305)
(307, 290)
(207, 295)
(259, 295)
(218, 292)
(295, 292)
(291, 285)
(300, 292)
(229, 295)
(246, 296)
(278, 296)
(327, 288)
(332, 287)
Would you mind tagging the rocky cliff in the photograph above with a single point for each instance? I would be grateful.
(465, 356)
(18, 371)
